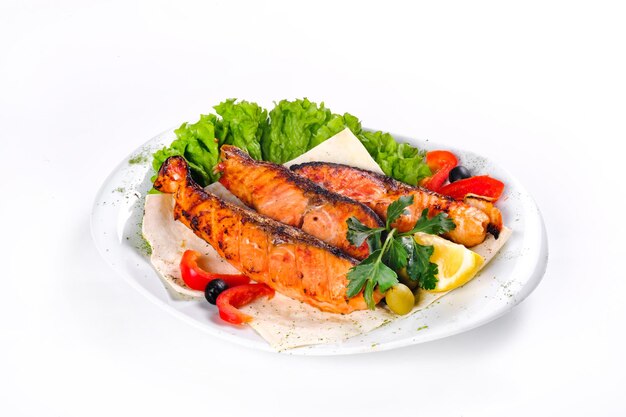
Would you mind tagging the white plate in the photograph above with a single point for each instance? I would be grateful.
(511, 276)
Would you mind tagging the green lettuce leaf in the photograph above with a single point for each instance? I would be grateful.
(198, 145)
(293, 125)
(243, 125)
(397, 160)
(330, 128)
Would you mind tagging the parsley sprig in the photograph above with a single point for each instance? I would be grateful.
(391, 250)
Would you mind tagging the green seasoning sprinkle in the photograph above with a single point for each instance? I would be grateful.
(143, 245)
(147, 248)
(138, 159)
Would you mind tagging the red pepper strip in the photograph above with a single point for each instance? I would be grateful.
(197, 278)
(482, 185)
(232, 298)
(440, 163)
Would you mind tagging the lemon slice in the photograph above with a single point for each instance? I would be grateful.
(457, 264)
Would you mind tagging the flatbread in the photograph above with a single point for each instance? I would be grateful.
(283, 322)
(169, 239)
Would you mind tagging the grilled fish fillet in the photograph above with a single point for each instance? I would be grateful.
(283, 257)
(276, 192)
(378, 191)
(495, 216)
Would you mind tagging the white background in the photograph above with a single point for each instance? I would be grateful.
(538, 86)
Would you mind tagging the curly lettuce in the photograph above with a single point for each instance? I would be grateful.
(397, 160)
(242, 125)
(298, 126)
(197, 143)
(290, 129)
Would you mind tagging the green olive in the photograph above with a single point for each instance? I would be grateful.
(400, 299)
(405, 279)
(417, 292)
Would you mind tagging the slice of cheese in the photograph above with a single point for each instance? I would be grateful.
(343, 148)
(283, 322)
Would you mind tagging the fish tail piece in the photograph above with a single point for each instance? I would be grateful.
(173, 173)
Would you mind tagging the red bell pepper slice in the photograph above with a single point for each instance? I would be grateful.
(232, 298)
(197, 278)
(440, 163)
(481, 185)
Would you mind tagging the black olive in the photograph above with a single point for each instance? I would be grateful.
(459, 173)
(213, 289)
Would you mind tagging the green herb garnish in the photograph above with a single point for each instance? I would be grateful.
(396, 251)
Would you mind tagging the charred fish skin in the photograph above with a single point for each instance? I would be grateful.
(285, 258)
(275, 191)
(378, 191)
(495, 216)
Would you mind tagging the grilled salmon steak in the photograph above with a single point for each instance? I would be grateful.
(274, 191)
(287, 259)
(378, 192)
